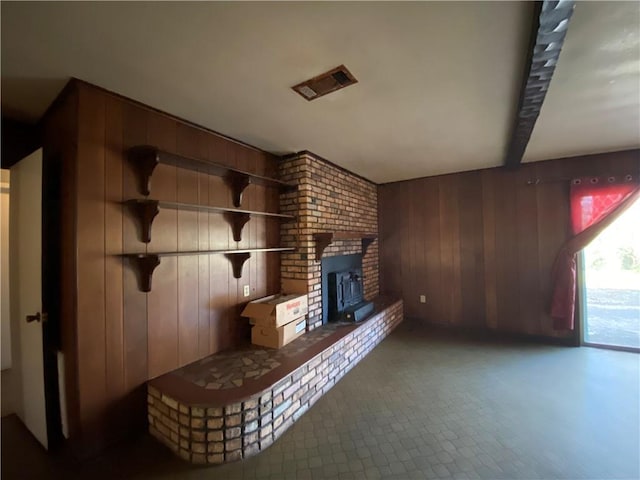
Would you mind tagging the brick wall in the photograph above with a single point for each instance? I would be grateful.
(218, 434)
(327, 199)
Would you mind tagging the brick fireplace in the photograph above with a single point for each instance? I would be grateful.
(205, 421)
(328, 199)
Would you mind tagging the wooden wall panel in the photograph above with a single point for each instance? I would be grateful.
(272, 232)
(404, 262)
(114, 278)
(91, 300)
(430, 192)
(162, 320)
(449, 250)
(488, 283)
(188, 144)
(527, 265)
(219, 304)
(125, 337)
(135, 302)
(472, 306)
(480, 245)
(390, 241)
(506, 244)
(420, 269)
(204, 280)
(411, 289)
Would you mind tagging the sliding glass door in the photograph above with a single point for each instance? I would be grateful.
(611, 285)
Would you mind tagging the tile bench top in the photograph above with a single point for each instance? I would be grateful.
(234, 375)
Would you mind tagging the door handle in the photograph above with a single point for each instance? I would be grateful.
(38, 317)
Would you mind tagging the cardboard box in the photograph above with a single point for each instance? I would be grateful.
(280, 336)
(276, 310)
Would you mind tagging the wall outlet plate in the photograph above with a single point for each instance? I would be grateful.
(246, 291)
(423, 299)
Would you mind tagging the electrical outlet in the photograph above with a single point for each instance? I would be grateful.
(246, 291)
(423, 299)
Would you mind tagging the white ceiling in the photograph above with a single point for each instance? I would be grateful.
(593, 102)
(438, 82)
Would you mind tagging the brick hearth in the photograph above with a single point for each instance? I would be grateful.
(212, 426)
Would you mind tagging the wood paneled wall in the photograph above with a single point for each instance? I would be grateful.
(118, 337)
(479, 245)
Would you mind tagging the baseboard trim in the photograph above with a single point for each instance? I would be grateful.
(494, 334)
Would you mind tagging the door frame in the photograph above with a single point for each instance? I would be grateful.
(51, 293)
(581, 299)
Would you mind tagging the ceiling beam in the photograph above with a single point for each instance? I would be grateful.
(550, 23)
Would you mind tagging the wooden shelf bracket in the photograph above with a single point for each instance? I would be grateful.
(237, 262)
(237, 183)
(366, 241)
(144, 265)
(143, 160)
(145, 212)
(237, 221)
(323, 240)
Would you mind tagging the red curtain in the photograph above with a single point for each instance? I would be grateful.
(595, 204)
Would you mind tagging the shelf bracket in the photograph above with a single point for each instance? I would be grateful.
(237, 182)
(237, 262)
(237, 220)
(366, 241)
(144, 265)
(144, 211)
(143, 159)
(323, 240)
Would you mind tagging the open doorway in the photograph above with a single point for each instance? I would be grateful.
(611, 285)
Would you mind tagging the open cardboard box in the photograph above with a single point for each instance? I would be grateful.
(279, 310)
(278, 337)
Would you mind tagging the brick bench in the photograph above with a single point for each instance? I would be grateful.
(213, 426)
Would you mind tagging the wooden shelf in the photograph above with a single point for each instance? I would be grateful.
(145, 158)
(205, 208)
(145, 212)
(324, 239)
(145, 263)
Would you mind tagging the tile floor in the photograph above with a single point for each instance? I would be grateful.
(424, 404)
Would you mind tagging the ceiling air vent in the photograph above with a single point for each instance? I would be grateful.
(328, 82)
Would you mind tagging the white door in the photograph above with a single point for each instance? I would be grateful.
(26, 282)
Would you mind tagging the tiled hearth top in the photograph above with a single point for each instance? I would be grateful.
(235, 375)
(231, 369)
